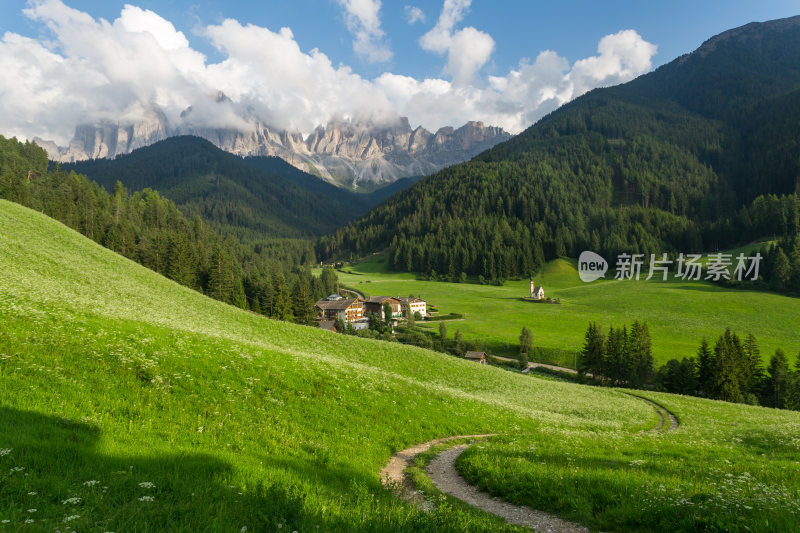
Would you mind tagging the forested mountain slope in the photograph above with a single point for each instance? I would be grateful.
(673, 161)
(253, 198)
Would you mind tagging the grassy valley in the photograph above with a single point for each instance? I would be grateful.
(679, 313)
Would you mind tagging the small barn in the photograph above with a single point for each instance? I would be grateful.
(478, 357)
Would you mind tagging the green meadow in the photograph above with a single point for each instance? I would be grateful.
(678, 313)
(130, 403)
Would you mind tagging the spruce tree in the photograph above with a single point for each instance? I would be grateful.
(778, 382)
(591, 359)
(281, 299)
(705, 368)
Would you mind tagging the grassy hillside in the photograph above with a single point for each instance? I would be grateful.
(113, 378)
(130, 403)
(679, 314)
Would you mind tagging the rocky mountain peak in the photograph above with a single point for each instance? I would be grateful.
(350, 153)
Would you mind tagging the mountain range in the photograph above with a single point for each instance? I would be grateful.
(355, 155)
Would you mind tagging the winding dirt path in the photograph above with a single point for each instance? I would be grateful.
(444, 475)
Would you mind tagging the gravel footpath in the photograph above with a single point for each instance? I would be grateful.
(443, 474)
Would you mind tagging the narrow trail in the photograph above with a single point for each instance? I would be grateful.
(444, 475)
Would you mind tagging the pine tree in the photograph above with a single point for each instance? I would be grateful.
(220, 276)
(705, 368)
(754, 376)
(525, 341)
(303, 301)
(640, 354)
(442, 330)
(591, 360)
(617, 359)
(778, 382)
(281, 299)
(781, 270)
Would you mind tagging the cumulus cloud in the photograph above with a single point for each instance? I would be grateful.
(88, 70)
(365, 25)
(467, 49)
(414, 14)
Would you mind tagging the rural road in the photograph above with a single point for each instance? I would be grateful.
(539, 365)
(353, 291)
(444, 475)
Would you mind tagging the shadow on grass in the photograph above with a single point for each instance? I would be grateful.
(56, 472)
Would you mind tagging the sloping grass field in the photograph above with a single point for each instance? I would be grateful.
(130, 403)
(678, 313)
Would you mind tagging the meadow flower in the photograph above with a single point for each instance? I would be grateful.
(30, 521)
(4, 451)
(71, 501)
(70, 518)
(31, 510)
(147, 485)
(146, 499)
(91, 483)
(32, 493)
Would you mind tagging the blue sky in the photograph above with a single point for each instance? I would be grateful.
(472, 60)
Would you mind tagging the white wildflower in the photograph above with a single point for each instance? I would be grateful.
(30, 521)
(31, 510)
(91, 483)
(32, 493)
(147, 485)
(71, 501)
(146, 499)
(200, 429)
(4, 451)
(70, 518)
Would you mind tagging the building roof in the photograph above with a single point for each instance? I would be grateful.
(475, 355)
(378, 299)
(411, 300)
(335, 305)
(537, 289)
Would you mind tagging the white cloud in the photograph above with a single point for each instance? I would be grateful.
(467, 49)
(364, 23)
(414, 14)
(87, 70)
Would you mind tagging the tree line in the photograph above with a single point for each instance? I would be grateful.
(731, 370)
(265, 277)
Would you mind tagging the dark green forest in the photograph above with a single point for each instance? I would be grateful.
(698, 156)
(266, 276)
